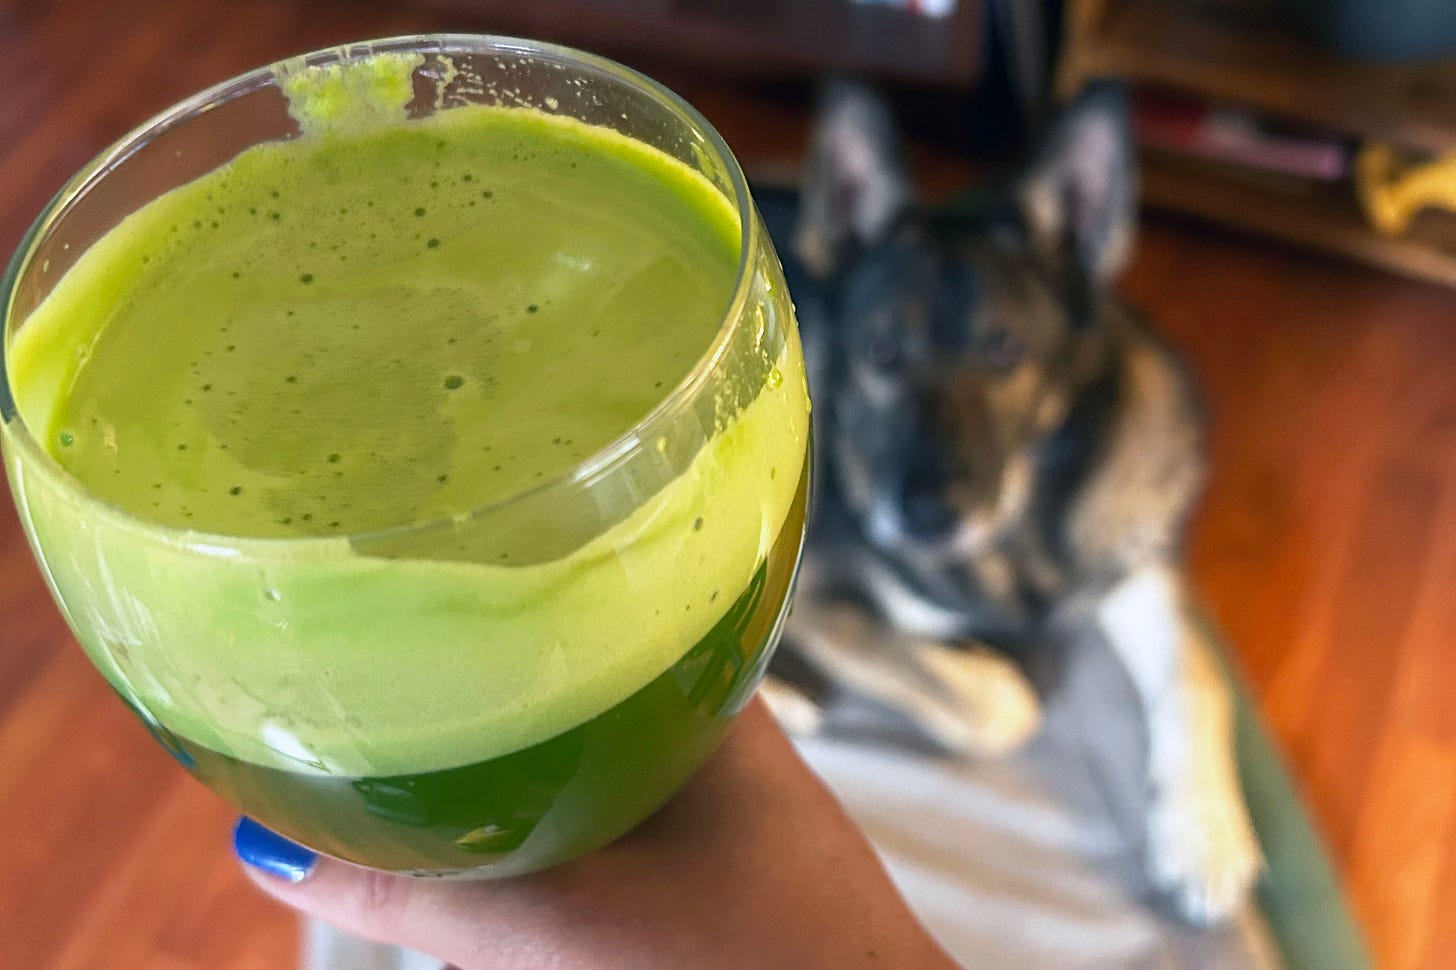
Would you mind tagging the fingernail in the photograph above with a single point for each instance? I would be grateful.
(269, 852)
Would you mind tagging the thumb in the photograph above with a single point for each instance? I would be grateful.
(472, 925)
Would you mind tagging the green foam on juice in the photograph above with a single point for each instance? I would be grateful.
(349, 334)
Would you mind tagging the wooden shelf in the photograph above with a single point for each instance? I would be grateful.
(1324, 217)
(1248, 52)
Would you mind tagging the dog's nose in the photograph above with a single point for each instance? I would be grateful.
(927, 513)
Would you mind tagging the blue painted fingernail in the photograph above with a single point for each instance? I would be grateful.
(266, 850)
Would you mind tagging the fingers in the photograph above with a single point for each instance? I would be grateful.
(448, 920)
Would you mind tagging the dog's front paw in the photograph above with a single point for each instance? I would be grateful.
(1203, 857)
(996, 710)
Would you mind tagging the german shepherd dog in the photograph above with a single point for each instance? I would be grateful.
(1005, 454)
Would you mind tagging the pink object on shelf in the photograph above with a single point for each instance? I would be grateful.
(1239, 137)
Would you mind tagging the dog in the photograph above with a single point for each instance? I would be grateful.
(1003, 452)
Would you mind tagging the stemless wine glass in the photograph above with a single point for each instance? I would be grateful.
(356, 693)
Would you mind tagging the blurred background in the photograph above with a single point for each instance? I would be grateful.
(1299, 246)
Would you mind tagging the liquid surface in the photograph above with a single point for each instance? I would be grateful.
(428, 317)
(353, 333)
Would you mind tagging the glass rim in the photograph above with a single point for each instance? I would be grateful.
(594, 467)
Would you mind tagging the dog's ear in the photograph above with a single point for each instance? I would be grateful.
(1079, 195)
(854, 183)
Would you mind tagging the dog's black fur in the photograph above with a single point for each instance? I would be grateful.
(998, 437)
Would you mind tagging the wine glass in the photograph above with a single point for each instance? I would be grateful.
(489, 690)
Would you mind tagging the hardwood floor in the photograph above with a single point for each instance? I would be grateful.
(1326, 546)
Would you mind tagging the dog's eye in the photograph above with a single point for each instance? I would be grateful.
(1000, 350)
(884, 350)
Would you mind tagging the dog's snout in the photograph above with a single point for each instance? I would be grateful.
(927, 513)
(925, 502)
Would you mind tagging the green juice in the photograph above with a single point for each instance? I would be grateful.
(290, 388)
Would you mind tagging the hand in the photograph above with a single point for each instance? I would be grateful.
(752, 864)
